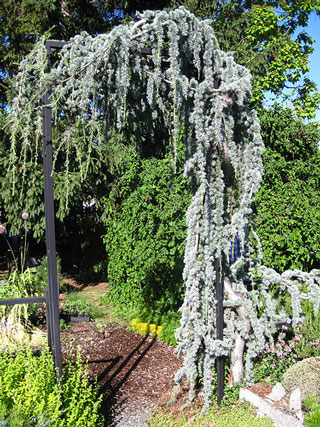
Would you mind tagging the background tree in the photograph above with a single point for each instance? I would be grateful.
(264, 36)
(22, 22)
(260, 33)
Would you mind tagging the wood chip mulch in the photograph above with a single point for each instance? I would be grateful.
(261, 389)
(134, 372)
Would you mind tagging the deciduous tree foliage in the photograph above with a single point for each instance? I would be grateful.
(262, 35)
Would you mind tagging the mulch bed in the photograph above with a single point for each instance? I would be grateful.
(134, 372)
(261, 389)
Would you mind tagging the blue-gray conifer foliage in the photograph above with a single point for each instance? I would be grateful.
(187, 84)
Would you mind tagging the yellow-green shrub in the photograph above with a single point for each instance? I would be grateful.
(146, 328)
(28, 388)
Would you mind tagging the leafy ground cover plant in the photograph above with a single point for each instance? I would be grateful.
(30, 395)
(239, 415)
(312, 405)
(146, 328)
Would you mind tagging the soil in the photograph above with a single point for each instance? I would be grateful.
(135, 373)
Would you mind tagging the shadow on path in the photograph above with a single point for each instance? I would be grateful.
(112, 384)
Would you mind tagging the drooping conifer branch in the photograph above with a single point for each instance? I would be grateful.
(104, 82)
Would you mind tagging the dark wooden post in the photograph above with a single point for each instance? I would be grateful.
(53, 284)
(219, 328)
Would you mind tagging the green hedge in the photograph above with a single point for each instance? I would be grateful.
(145, 234)
(287, 215)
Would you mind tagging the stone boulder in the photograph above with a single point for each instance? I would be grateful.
(304, 375)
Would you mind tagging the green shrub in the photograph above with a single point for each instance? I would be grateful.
(145, 238)
(305, 375)
(287, 206)
(312, 405)
(30, 396)
(271, 364)
(80, 400)
(309, 343)
(77, 306)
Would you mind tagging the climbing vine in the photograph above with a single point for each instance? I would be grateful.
(184, 83)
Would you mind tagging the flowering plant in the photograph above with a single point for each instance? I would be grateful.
(15, 319)
(309, 345)
(146, 328)
(273, 362)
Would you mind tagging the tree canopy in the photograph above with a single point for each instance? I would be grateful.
(266, 36)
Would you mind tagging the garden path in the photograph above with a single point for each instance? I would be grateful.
(135, 373)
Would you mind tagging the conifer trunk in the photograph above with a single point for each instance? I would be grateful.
(236, 364)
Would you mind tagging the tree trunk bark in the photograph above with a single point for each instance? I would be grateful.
(236, 363)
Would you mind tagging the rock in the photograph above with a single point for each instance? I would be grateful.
(264, 408)
(277, 393)
(295, 404)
